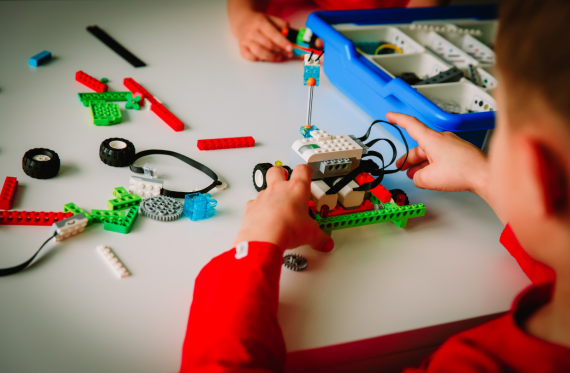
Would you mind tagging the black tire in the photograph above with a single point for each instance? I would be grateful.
(116, 152)
(41, 163)
(259, 173)
(397, 192)
(289, 171)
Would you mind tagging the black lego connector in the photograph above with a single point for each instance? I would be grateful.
(410, 78)
(447, 76)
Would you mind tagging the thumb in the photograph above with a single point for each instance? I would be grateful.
(321, 241)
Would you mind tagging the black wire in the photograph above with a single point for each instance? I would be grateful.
(18, 268)
(312, 52)
(320, 55)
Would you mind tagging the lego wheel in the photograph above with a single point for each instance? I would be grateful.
(289, 171)
(41, 163)
(399, 197)
(259, 172)
(116, 152)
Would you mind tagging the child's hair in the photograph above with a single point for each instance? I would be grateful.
(533, 52)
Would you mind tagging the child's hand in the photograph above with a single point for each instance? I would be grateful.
(259, 36)
(442, 161)
(280, 213)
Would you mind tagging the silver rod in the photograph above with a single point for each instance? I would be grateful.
(310, 106)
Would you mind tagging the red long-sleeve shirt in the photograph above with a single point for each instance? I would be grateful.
(233, 323)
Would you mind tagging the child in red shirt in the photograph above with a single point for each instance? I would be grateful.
(259, 34)
(233, 324)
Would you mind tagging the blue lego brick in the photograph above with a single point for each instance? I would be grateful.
(198, 206)
(311, 72)
(40, 59)
(306, 132)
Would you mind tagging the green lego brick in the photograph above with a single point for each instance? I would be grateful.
(86, 98)
(391, 212)
(125, 225)
(301, 35)
(105, 113)
(123, 199)
(106, 216)
(72, 207)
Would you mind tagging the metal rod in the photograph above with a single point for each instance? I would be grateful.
(310, 106)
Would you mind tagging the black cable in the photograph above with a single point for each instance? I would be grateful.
(320, 55)
(18, 268)
(115, 46)
(197, 165)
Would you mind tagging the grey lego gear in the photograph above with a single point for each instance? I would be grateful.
(295, 262)
(161, 208)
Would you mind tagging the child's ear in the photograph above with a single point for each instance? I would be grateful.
(552, 179)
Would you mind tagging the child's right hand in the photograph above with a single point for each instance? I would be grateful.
(442, 161)
(259, 36)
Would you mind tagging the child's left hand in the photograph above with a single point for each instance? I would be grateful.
(280, 213)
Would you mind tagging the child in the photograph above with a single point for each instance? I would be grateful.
(259, 34)
(233, 323)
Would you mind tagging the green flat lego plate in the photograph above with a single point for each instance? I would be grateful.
(105, 113)
(86, 98)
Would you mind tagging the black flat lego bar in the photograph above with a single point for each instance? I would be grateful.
(114, 45)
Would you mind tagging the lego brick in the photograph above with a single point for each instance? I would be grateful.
(116, 265)
(391, 212)
(311, 68)
(133, 86)
(226, 143)
(68, 227)
(335, 166)
(198, 206)
(105, 113)
(106, 216)
(144, 187)
(90, 82)
(447, 76)
(115, 46)
(72, 207)
(40, 59)
(85, 98)
(324, 147)
(32, 217)
(320, 197)
(348, 197)
(8, 193)
(379, 192)
(169, 118)
(123, 200)
(126, 225)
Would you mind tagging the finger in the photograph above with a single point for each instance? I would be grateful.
(415, 173)
(415, 156)
(263, 53)
(247, 55)
(302, 173)
(275, 174)
(248, 205)
(319, 44)
(266, 42)
(272, 31)
(280, 23)
(321, 241)
(419, 131)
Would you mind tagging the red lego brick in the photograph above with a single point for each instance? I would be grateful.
(32, 217)
(156, 107)
(91, 82)
(164, 114)
(226, 143)
(8, 192)
(379, 192)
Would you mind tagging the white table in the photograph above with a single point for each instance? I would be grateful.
(69, 312)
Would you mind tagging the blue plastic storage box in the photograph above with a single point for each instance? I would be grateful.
(368, 81)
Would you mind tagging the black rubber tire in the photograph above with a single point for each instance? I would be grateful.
(289, 171)
(116, 156)
(395, 192)
(39, 169)
(262, 167)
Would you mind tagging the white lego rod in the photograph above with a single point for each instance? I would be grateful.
(310, 106)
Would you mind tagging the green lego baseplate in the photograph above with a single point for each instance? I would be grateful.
(86, 98)
(123, 199)
(106, 216)
(391, 212)
(125, 225)
(105, 113)
(72, 207)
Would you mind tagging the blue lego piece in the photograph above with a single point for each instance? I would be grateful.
(198, 206)
(299, 52)
(306, 132)
(311, 72)
(40, 59)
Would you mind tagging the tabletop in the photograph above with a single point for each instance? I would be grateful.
(68, 312)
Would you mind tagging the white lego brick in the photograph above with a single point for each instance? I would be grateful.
(348, 197)
(307, 35)
(320, 135)
(68, 227)
(341, 146)
(110, 257)
(311, 62)
(319, 195)
(145, 187)
(221, 187)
